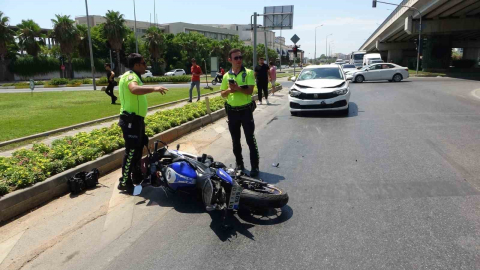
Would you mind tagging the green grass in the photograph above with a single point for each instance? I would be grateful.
(24, 114)
(281, 75)
(423, 73)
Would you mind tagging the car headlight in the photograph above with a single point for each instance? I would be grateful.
(341, 92)
(294, 93)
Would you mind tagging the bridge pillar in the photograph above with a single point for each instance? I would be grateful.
(437, 53)
(395, 56)
(473, 54)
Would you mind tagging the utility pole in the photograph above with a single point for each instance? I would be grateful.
(154, 15)
(326, 47)
(91, 51)
(254, 39)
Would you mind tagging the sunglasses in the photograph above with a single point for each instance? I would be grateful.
(238, 58)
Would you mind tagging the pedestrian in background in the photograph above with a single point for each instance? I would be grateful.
(196, 72)
(111, 82)
(273, 76)
(262, 75)
(237, 88)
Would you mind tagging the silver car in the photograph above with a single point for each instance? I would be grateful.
(379, 72)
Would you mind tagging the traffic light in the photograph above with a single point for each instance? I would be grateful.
(295, 50)
(374, 3)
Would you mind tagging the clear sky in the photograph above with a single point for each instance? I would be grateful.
(350, 21)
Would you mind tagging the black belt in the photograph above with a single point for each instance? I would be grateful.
(250, 106)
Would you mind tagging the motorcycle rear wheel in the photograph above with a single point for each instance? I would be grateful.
(214, 82)
(267, 197)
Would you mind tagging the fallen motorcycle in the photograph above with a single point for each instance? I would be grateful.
(221, 188)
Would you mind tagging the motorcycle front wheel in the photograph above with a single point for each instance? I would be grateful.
(265, 197)
(214, 82)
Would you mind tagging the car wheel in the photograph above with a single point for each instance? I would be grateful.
(397, 77)
(359, 79)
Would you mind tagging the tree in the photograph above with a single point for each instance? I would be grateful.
(83, 45)
(27, 34)
(154, 43)
(115, 31)
(6, 36)
(67, 35)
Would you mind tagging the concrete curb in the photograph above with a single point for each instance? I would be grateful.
(21, 201)
(47, 133)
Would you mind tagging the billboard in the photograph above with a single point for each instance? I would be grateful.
(278, 17)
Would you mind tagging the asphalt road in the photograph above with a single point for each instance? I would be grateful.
(395, 185)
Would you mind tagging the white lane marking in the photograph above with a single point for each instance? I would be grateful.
(476, 93)
(7, 246)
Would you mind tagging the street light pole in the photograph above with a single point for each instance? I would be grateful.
(315, 56)
(326, 47)
(135, 26)
(91, 51)
(419, 28)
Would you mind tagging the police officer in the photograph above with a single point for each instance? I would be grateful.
(237, 88)
(132, 113)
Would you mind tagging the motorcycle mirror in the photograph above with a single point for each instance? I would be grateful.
(137, 190)
(178, 147)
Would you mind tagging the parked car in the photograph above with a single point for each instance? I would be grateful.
(148, 74)
(175, 72)
(379, 72)
(339, 62)
(320, 88)
(348, 67)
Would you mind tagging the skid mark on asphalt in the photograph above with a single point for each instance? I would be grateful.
(7, 246)
(119, 216)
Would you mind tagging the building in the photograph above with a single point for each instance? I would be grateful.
(96, 20)
(172, 28)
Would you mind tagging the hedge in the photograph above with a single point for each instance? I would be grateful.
(29, 166)
(183, 78)
(30, 66)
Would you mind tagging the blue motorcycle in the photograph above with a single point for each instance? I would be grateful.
(221, 188)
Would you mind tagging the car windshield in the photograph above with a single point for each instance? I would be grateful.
(358, 56)
(348, 66)
(320, 73)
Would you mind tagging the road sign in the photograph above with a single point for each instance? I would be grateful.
(278, 17)
(62, 67)
(32, 84)
(295, 39)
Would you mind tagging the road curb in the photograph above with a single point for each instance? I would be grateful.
(47, 133)
(21, 201)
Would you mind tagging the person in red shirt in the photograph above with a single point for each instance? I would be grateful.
(222, 71)
(196, 72)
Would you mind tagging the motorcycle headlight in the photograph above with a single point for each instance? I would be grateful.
(294, 93)
(341, 92)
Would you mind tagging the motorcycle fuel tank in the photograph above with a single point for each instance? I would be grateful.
(181, 174)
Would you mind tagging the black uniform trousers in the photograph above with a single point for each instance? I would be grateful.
(133, 128)
(236, 120)
(109, 91)
(262, 87)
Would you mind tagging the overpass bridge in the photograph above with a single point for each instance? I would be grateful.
(446, 24)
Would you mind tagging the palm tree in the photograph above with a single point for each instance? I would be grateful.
(67, 35)
(6, 35)
(28, 31)
(115, 31)
(6, 38)
(83, 46)
(154, 43)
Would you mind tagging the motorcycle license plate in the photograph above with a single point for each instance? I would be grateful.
(235, 197)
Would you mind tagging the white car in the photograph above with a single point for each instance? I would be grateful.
(175, 72)
(320, 88)
(339, 62)
(148, 74)
(348, 68)
(379, 72)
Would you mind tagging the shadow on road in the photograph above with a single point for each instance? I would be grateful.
(191, 203)
(352, 112)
